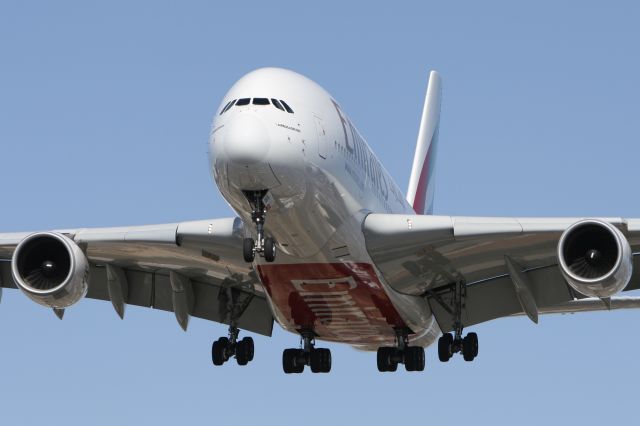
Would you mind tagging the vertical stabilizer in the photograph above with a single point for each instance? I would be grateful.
(421, 183)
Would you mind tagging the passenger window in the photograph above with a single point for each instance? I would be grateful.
(287, 107)
(260, 101)
(277, 104)
(243, 101)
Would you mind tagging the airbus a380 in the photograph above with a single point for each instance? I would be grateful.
(328, 246)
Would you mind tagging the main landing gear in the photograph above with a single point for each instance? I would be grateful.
(226, 347)
(319, 359)
(265, 247)
(411, 356)
(449, 343)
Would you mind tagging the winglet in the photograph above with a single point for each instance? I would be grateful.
(421, 184)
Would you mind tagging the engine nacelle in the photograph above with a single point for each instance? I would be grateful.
(50, 269)
(595, 258)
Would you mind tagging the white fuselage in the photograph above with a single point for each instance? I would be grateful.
(322, 181)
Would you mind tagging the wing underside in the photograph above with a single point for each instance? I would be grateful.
(508, 265)
(190, 268)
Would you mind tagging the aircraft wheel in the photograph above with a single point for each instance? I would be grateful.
(474, 339)
(218, 351)
(244, 351)
(269, 249)
(445, 344)
(414, 358)
(291, 361)
(385, 359)
(248, 342)
(316, 361)
(326, 360)
(470, 347)
(247, 250)
(320, 360)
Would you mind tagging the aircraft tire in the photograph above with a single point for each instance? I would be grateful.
(444, 347)
(269, 249)
(320, 360)
(414, 358)
(474, 338)
(326, 360)
(290, 361)
(316, 361)
(470, 346)
(248, 341)
(242, 352)
(218, 349)
(247, 250)
(385, 359)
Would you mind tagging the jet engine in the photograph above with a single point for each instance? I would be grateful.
(50, 269)
(595, 258)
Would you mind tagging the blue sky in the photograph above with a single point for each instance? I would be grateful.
(104, 116)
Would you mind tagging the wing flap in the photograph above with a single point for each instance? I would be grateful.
(6, 280)
(223, 301)
(497, 297)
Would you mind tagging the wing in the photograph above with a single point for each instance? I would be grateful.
(190, 268)
(508, 265)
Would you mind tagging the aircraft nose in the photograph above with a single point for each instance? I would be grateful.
(246, 140)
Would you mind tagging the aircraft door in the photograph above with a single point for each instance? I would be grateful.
(322, 137)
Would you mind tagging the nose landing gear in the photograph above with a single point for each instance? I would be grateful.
(264, 247)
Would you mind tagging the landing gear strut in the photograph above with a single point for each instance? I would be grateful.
(265, 247)
(226, 347)
(411, 356)
(449, 343)
(319, 359)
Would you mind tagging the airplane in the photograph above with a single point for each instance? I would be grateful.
(328, 246)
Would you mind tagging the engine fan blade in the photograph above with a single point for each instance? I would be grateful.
(44, 277)
(591, 265)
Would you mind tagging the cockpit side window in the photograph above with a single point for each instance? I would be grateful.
(287, 107)
(260, 101)
(277, 104)
(243, 101)
(226, 108)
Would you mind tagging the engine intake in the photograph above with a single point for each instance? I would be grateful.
(595, 258)
(50, 269)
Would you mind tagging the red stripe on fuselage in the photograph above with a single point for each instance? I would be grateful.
(339, 301)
